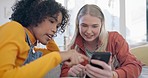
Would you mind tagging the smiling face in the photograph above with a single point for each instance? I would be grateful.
(89, 27)
(45, 30)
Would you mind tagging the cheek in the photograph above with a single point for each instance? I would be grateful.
(45, 30)
(40, 34)
(97, 31)
(82, 29)
(37, 34)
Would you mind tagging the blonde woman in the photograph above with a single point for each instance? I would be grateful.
(91, 36)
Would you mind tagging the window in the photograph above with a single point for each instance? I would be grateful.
(136, 21)
(123, 16)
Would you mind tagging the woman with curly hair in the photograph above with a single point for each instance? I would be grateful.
(34, 21)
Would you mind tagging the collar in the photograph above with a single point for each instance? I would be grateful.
(32, 38)
(80, 42)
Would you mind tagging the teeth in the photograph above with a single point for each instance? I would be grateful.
(88, 36)
(49, 36)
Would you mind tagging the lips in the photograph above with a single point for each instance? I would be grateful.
(50, 36)
(88, 36)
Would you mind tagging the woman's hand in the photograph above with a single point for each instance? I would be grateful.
(94, 72)
(76, 71)
(72, 57)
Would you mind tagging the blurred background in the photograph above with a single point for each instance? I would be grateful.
(128, 17)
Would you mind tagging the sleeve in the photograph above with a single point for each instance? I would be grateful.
(12, 46)
(130, 67)
(35, 69)
(64, 70)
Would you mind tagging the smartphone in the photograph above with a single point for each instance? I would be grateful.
(102, 56)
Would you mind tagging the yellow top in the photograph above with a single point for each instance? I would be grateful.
(14, 50)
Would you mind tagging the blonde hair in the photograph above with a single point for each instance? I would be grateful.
(92, 10)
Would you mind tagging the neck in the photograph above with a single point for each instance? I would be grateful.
(91, 46)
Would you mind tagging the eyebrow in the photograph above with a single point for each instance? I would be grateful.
(54, 17)
(96, 24)
(92, 24)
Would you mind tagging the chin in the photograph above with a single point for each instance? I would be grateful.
(89, 40)
(86, 39)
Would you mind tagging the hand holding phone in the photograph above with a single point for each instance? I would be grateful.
(102, 56)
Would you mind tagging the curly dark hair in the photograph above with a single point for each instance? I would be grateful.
(33, 12)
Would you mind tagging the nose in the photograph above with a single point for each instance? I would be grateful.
(54, 29)
(88, 30)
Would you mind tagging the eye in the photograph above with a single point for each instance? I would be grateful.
(95, 26)
(83, 25)
(51, 21)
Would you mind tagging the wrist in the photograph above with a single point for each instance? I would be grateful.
(64, 56)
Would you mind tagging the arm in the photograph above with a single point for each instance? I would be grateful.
(130, 67)
(13, 52)
(42, 65)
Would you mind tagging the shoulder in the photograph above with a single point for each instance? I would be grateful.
(52, 46)
(115, 35)
(12, 29)
(116, 42)
(115, 38)
(12, 26)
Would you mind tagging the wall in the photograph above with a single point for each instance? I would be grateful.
(5, 10)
